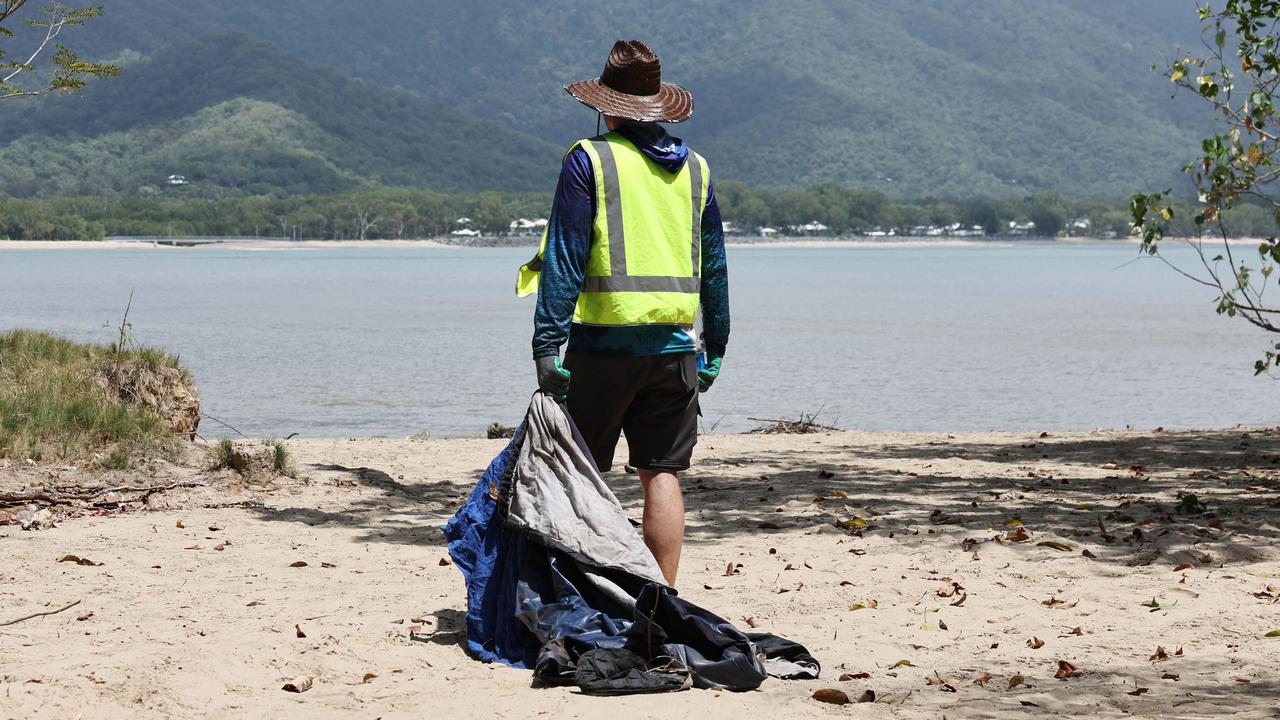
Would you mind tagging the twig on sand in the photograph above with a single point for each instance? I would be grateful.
(40, 614)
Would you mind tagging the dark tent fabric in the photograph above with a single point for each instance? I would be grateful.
(559, 582)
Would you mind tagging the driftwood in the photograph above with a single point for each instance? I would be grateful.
(40, 614)
(64, 496)
(805, 425)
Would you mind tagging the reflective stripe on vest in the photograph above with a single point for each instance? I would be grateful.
(652, 284)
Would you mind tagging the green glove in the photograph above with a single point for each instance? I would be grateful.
(708, 374)
(553, 379)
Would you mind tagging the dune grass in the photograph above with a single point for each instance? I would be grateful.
(283, 464)
(54, 406)
(220, 455)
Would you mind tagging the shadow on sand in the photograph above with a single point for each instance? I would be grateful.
(1123, 497)
(1129, 499)
(401, 513)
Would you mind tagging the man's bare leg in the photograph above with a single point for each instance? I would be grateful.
(663, 520)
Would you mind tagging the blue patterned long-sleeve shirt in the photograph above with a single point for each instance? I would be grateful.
(564, 263)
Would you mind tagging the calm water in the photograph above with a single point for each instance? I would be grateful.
(334, 342)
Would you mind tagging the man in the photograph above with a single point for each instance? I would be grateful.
(633, 247)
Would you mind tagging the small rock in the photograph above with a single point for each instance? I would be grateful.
(253, 460)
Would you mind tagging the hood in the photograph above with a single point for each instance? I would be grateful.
(653, 140)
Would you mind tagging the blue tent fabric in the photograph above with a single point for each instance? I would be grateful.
(534, 604)
(480, 548)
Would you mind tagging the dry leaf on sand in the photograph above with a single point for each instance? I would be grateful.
(78, 560)
(1020, 534)
(1067, 670)
(831, 695)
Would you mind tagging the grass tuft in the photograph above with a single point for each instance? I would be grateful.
(54, 406)
(220, 455)
(283, 464)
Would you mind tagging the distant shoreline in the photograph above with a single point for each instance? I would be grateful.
(216, 244)
(787, 243)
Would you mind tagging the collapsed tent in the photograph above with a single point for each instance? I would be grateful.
(559, 581)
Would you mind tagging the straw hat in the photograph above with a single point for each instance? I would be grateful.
(631, 87)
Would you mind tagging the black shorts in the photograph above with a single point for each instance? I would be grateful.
(653, 399)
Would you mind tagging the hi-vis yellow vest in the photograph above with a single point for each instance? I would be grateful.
(646, 247)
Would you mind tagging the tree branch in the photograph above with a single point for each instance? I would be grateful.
(56, 23)
(60, 498)
(10, 7)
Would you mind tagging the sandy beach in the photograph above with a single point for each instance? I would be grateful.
(981, 560)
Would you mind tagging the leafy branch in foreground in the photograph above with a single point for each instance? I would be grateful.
(69, 73)
(1236, 166)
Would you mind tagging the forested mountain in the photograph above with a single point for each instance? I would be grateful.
(228, 111)
(948, 98)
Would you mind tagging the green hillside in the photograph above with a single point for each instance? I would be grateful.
(939, 97)
(228, 111)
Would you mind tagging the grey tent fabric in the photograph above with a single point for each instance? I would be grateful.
(559, 495)
(557, 575)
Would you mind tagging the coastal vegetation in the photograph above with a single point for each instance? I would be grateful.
(402, 213)
(105, 406)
